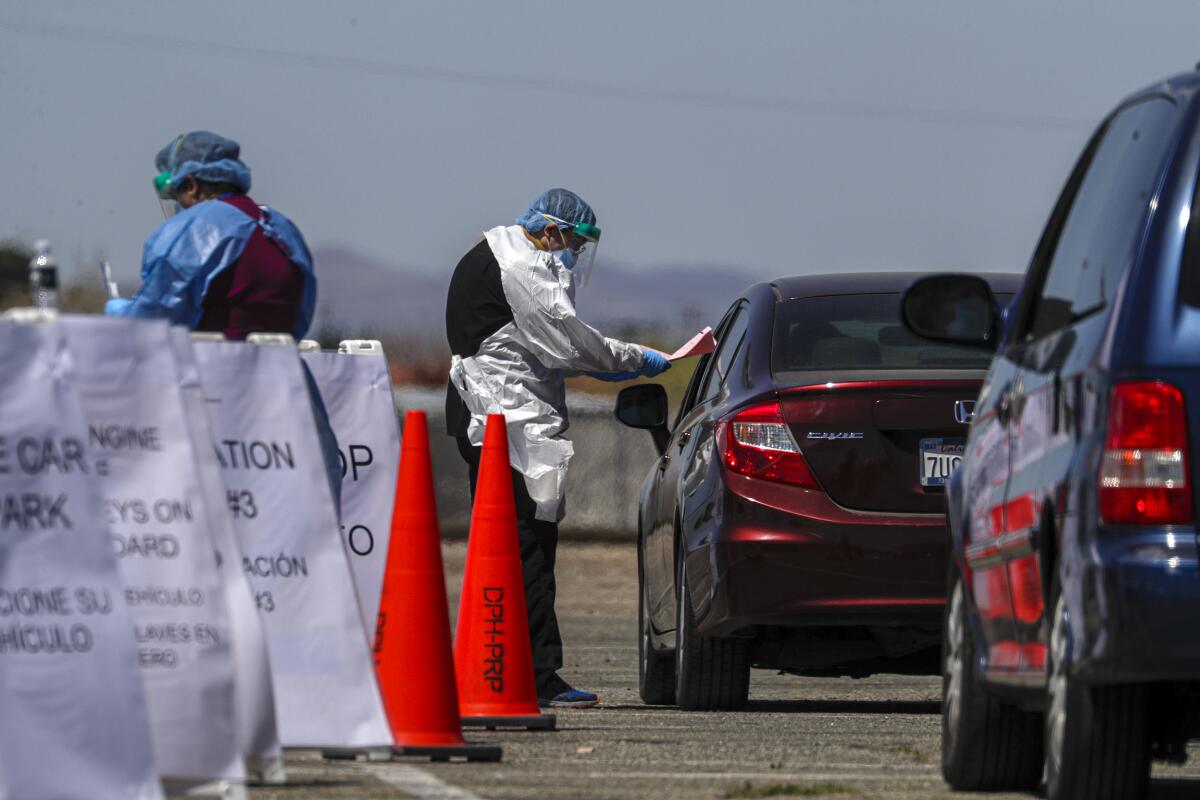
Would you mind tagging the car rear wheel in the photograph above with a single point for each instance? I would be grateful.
(1097, 738)
(711, 674)
(986, 744)
(656, 671)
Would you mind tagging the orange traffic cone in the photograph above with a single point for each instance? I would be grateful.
(492, 655)
(413, 660)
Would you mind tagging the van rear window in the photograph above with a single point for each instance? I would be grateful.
(859, 331)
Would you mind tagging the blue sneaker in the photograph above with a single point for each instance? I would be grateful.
(560, 694)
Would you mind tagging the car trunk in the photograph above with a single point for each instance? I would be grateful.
(863, 438)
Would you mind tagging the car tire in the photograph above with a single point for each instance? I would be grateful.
(987, 744)
(1097, 737)
(656, 671)
(711, 674)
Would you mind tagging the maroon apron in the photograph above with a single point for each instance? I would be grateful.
(258, 293)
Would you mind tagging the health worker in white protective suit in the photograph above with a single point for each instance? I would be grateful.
(512, 327)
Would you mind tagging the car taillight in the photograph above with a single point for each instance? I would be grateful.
(758, 444)
(1143, 480)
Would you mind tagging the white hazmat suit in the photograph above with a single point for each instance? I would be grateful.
(518, 371)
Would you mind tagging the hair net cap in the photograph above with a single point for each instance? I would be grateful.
(561, 203)
(205, 156)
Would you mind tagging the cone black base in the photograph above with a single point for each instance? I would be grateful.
(467, 752)
(353, 753)
(533, 722)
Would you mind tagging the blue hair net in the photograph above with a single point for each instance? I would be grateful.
(561, 203)
(204, 156)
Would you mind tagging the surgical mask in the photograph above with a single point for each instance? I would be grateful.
(559, 247)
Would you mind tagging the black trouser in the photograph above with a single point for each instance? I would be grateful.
(538, 541)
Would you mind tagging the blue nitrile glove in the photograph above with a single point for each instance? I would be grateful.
(115, 307)
(653, 363)
(613, 377)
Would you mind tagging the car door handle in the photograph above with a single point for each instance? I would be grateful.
(683, 439)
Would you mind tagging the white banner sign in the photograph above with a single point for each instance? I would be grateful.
(156, 511)
(265, 439)
(72, 709)
(258, 732)
(357, 392)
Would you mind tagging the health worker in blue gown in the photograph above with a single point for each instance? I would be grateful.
(225, 264)
(220, 262)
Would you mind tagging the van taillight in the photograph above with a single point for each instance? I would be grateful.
(1143, 480)
(758, 444)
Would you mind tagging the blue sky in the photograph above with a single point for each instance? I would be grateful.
(773, 138)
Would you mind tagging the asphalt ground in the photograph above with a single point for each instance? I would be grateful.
(800, 737)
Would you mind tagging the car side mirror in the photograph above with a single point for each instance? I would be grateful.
(645, 406)
(959, 309)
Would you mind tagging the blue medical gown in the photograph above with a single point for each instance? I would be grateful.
(181, 259)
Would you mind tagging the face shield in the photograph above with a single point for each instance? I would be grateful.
(166, 198)
(581, 240)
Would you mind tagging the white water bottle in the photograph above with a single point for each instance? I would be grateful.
(43, 276)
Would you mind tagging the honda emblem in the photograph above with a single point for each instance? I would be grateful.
(964, 410)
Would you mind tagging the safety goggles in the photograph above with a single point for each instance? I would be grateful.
(164, 190)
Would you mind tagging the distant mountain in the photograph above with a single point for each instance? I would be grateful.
(357, 292)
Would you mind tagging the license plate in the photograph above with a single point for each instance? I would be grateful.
(939, 459)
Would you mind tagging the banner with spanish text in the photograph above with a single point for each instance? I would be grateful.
(141, 445)
(279, 496)
(258, 730)
(357, 391)
(73, 720)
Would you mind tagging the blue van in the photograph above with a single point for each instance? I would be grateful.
(1071, 646)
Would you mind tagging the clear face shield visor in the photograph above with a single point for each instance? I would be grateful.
(166, 198)
(581, 240)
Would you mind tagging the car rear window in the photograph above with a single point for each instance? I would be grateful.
(860, 331)
(1189, 270)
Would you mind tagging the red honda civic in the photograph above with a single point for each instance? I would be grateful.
(795, 518)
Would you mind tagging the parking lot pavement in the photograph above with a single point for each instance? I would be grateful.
(801, 737)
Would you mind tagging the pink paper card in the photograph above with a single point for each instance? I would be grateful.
(700, 344)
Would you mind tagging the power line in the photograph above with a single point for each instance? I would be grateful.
(696, 98)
